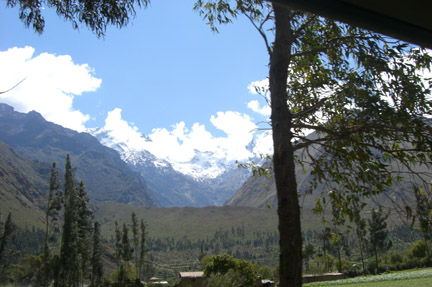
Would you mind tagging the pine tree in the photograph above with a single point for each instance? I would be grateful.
(118, 244)
(7, 231)
(54, 206)
(135, 239)
(143, 249)
(96, 259)
(69, 268)
(84, 218)
(127, 250)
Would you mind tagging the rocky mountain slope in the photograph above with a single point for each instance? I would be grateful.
(260, 191)
(106, 176)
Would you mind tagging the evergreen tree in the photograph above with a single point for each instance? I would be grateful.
(85, 217)
(118, 244)
(54, 206)
(127, 250)
(135, 239)
(69, 267)
(96, 258)
(7, 231)
(143, 248)
(378, 234)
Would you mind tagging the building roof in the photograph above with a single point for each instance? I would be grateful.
(406, 20)
(197, 274)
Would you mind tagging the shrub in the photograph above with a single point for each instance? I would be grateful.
(418, 249)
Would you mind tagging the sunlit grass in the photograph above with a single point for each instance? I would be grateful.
(418, 278)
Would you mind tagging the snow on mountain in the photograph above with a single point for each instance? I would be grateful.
(203, 165)
(183, 175)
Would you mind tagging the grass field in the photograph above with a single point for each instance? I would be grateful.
(409, 278)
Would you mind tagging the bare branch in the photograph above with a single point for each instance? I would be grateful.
(3, 92)
(310, 109)
(260, 30)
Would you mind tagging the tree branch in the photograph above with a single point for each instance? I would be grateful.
(310, 109)
(260, 30)
(3, 92)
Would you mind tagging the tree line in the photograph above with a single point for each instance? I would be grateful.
(70, 251)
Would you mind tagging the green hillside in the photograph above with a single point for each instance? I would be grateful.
(22, 187)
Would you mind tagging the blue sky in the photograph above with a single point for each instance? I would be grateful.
(165, 70)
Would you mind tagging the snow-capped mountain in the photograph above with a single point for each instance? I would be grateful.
(206, 179)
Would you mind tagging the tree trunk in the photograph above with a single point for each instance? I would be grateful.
(283, 158)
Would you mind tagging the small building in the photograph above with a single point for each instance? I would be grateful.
(192, 279)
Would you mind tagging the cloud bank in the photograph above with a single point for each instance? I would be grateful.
(52, 82)
(181, 144)
(50, 86)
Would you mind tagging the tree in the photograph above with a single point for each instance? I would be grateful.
(361, 93)
(143, 248)
(96, 15)
(127, 250)
(54, 205)
(118, 244)
(326, 236)
(96, 258)
(69, 267)
(308, 253)
(338, 220)
(7, 231)
(135, 239)
(360, 231)
(75, 249)
(85, 228)
(229, 268)
(423, 213)
(378, 234)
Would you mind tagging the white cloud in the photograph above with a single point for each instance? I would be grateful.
(259, 87)
(121, 130)
(263, 144)
(255, 106)
(50, 85)
(180, 144)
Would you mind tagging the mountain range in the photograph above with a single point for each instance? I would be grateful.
(106, 176)
(204, 181)
(114, 172)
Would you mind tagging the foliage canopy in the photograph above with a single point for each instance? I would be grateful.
(95, 14)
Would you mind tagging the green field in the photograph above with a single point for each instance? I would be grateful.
(415, 278)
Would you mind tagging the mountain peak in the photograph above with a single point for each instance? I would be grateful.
(6, 109)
